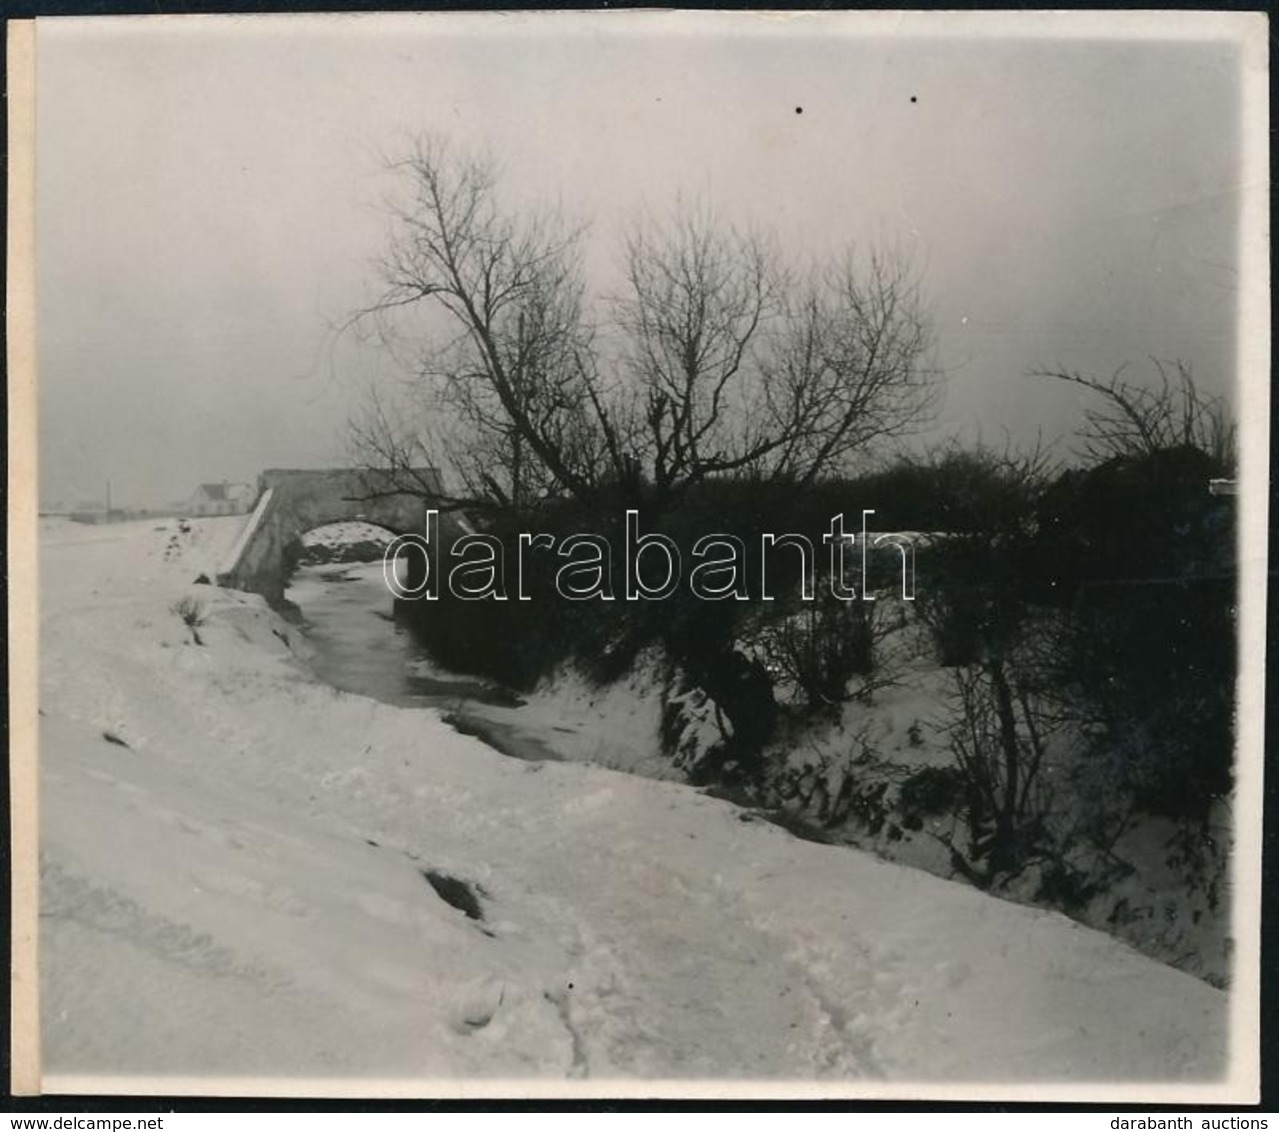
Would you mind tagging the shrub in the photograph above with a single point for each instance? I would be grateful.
(1142, 557)
(1145, 570)
(999, 734)
(977, 578)
(191, 612)
(830, 649)
(930, 792)
(1150, 672)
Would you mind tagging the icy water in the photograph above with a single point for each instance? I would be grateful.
(359, 647)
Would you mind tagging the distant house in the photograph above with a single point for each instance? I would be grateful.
(90, 511)
(220, 499)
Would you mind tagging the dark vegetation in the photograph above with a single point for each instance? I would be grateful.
(1089, 609)
(1099, 599)
(1084, 606)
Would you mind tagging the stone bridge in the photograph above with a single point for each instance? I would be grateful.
(290, 503)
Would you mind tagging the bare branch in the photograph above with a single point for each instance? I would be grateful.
(1132, 419)
(514, 370)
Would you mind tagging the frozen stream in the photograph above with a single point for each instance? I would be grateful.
(360, 647)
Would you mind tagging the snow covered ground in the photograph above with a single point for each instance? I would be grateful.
(233, 883)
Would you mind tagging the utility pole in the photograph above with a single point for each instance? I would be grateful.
(108, 500)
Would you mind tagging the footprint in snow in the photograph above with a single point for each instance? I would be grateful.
(476, 1005)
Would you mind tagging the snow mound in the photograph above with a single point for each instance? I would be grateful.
(346, 533)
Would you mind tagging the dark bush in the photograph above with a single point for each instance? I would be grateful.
(975, 578)
(930, 792)
(829, 648)
(1151, 669)
(1138, 518)
(1143, 560)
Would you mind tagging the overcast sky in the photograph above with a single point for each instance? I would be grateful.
(208, 188)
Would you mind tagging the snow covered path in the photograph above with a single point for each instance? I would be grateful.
(237, 887)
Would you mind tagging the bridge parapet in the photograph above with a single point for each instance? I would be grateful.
(293, 501)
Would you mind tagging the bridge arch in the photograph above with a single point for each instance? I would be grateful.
(292, 502)
(339, 541)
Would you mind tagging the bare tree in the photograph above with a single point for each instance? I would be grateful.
(698, 297)
(849, 367)
(727, 364)
(746, 367)
(514, 361)
(999, 735)
(401, 450)
(1134, 419)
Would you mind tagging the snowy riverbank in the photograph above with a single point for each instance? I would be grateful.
(233, 883)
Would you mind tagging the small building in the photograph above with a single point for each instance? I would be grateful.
(89, 511)
(220, 499)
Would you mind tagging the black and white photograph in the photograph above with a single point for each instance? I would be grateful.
(655, 554)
